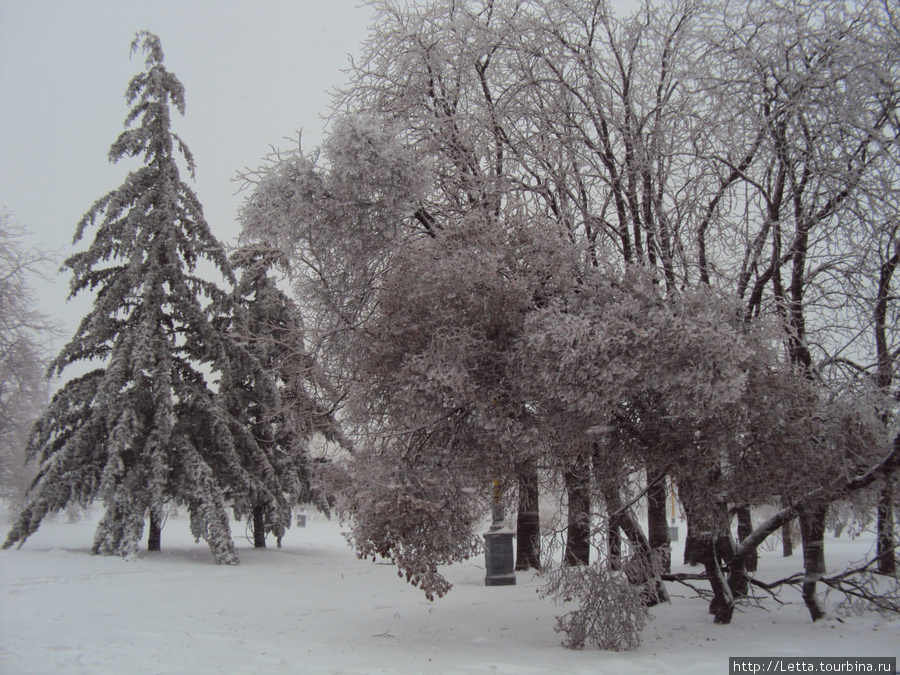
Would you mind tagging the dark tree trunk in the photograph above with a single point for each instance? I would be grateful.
(812, 530)
(693, 546)
(725, 543)
(739, 563)
(838, 528)
(642, 573)
(578, 533)
(658, 526)
(744, 530)
(887, 543)
(154, 540)
(528, 522)
(738, 579)
(259, 526)
(722, 605)
(787, 539)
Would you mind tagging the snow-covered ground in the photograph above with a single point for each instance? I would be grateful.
(312, 607)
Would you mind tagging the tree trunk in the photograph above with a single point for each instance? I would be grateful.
(745, 529)
(722, 605)
(655, 593)
(578, 533)
(738, 562)
(259, 526)
(838, 529)
(154, 540)
(641, 571)
(693, 546)
(658, 526)
(528, 522)
(615, 544)
(812, 530)
(887, 559)
(738, 579)
(787, 539)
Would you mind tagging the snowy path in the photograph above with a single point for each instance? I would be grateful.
(312, 607)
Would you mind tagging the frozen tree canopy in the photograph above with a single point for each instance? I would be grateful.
(543, 243)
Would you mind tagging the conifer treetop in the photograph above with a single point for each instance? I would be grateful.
(150, 225)
(153, 90)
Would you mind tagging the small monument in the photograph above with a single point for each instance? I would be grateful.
(673, 531)
(499, 561)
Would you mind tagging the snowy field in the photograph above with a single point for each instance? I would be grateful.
(312, 607)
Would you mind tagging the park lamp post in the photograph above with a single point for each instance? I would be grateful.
(499, 562)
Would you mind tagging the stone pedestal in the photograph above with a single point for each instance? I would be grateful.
(498, 558)
(499, 561)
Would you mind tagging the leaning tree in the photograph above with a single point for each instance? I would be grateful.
(142, 428)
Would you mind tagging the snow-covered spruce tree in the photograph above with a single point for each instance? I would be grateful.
(141, 429)
(275, 394)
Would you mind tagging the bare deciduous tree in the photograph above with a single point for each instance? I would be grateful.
(24, 341)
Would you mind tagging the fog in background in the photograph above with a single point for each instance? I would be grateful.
(255, 73)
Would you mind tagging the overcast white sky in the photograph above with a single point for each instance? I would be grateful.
(255, 72)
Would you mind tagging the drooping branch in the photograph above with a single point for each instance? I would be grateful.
(836, 490)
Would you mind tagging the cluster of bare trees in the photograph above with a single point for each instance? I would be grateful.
(24, 334)
(546, 241)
